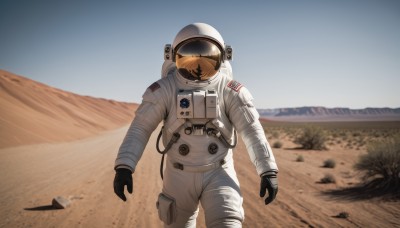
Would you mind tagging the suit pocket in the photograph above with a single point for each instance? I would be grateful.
(166, 209)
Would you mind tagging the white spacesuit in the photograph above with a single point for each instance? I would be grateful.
(201, 107)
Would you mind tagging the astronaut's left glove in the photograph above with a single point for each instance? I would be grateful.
(269, 182)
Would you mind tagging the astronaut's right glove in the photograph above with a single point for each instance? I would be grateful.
(269, 182)
(123, 177)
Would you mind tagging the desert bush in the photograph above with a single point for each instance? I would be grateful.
(275, 134)
(344, 136)
(277, 144)
(312, 138)
(361, 142)
(328, 178)
(381, 164)
(376, 134)
(300, 158)
(343, 215)
(329, 163)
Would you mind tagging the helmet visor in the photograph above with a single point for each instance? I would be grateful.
(198, 59)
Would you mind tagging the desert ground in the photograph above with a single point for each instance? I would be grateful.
(80, 167)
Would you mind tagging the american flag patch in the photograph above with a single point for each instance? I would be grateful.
(153, 87)
(235, 85)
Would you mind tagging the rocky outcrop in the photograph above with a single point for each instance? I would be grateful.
(334, 113)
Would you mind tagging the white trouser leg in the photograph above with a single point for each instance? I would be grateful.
(218, 190)
(182, 187)
(221, 198)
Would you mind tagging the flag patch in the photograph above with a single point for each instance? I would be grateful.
(236, 86)
(153, 87)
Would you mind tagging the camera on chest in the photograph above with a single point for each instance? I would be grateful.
(193, 104)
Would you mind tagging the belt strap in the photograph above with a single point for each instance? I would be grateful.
(199, 168)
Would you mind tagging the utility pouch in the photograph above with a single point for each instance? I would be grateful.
(166, 209)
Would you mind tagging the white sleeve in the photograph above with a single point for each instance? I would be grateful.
(245, 118)
(148, 115)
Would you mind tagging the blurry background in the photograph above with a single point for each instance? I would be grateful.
(343, 53)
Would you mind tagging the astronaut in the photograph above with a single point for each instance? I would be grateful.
(202, 108)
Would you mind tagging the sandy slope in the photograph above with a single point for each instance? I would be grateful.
(32, 112)
(82, 170)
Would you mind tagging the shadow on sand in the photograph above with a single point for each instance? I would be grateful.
(42, 208)
(303, 149)
(292, 148)
(365, 192)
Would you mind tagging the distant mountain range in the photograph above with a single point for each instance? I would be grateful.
(318, 113)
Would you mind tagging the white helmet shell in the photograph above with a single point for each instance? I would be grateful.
(198, 30)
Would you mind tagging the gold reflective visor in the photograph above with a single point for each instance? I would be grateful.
(198, 59)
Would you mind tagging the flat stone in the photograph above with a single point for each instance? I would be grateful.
(60, 202)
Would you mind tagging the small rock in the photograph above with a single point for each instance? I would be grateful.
(343, 215)
(60, 202)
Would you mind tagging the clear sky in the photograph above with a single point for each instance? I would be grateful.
(339, 53)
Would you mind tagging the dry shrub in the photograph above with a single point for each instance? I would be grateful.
(277, 144)
(381, 165)
(275, 134)
(300, 158)
(343, 215)
(312, 138)
(328, 178)
(329, 163)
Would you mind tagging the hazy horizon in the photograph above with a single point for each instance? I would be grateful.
(287, 53)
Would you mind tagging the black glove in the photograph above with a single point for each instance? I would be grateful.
(270, 182)
(123, 177)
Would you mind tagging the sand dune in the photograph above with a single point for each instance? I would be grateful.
(82, 170)
(31, 112)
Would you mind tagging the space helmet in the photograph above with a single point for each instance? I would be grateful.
(198, 51)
